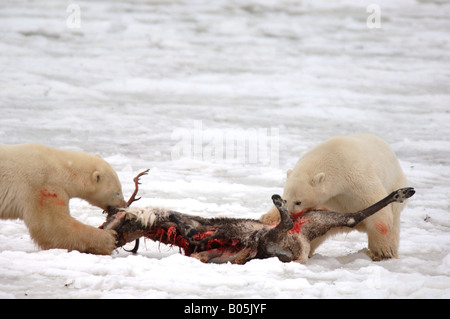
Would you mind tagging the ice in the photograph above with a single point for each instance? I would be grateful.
(136, 72)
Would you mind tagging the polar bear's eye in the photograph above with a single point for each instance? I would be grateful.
(298, 203)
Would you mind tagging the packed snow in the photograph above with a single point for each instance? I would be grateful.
(219, 99)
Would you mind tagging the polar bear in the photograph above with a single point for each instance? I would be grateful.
(36, 184)
(347, 174)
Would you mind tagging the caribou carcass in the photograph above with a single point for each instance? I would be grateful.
(235, 240)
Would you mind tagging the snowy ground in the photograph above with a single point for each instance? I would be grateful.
(140, 79)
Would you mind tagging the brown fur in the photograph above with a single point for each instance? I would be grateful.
(234, 240)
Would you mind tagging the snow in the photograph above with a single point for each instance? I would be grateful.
(136, 74)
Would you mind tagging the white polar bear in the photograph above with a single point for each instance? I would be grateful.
(36, 184)
(347, 174)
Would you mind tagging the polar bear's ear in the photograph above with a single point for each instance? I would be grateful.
(96, 177)
(289, 171)
(319, 178)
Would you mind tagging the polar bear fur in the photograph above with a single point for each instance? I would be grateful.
(36, 184)
(347, 174)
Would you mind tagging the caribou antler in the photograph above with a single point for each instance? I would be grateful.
(134, 199)
(130, 201)
(136, 187)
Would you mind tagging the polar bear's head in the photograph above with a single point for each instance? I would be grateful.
(304, 191)
(105, 189)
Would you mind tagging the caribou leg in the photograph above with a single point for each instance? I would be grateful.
(318, 222)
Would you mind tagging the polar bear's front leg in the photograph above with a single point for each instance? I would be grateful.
(53, 227)
(383, 232)
(272, 217)
(85, 238)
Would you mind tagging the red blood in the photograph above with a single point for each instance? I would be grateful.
(298, 214)
(45, 195)
(201, 236)
(169, 236)
(297, 229)
(298, 222)
(382, 227)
